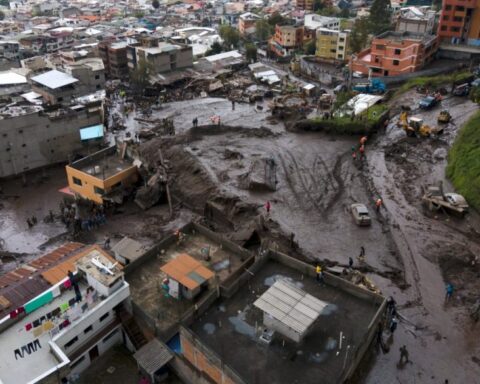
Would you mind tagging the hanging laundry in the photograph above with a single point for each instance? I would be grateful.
(13, 314)
(64, 307)
(47, 326)
(20, 310)
(67, 284)
(37, 332)
(28, 326)
(36, 323)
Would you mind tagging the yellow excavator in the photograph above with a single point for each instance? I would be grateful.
(414, 126)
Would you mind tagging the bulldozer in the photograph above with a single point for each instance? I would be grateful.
(414, 126)
(444, 117)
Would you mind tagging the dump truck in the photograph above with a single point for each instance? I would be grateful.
(435, 200)
(444, 117)
(374, 86)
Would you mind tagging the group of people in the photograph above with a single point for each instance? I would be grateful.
(70, 215)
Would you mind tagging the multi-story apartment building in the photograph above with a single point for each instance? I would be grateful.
(287, 39)
(415, 20)
(460, 22)
(9, 50)
(163, 58)
(114, 56)
(32, 138)
(331, 44)
(57, 334)
(396, 53)
(307, 5)
(247, 22)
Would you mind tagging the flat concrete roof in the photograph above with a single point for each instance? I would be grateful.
(102, 164)
(54, 79)
(229, 326)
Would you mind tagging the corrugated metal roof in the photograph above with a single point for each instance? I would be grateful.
(54, 79)
(153, 356)
(187, 271)
(290, 305)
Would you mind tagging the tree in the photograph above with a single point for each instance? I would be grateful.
(155, 4)
(359, 35)
(344, 13)
(140, 76)
(328, 11)
(379, 18)
(251, 52)
(230, 36)
(215, 48)
(318, 5)
(310, 47)
(276, 18)
(263, 30)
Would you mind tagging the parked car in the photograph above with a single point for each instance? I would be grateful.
(461, 90)
(360, 214)
(357, 74)
(428, 102)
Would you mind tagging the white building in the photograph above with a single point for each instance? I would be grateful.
(59, 333)
(314, 21)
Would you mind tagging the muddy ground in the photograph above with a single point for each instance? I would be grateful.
(410, 253)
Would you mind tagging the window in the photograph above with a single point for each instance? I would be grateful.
(459, 8)
(60, 99)
(458, 19)
(396, 62)
(454, 29)
(71, 342)
(445, 17)
(443, 28)
(97, 77)
(24, 145)
(104, 316)
(98, 191)
(88, 329)
(77, 181)
(76, 363)
(108, 337)
(380, 47)
(340, 47)
(398, 51)
(341, 39)
(448, 7)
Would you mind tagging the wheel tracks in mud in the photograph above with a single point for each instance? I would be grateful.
(332, 181)
(387, 224)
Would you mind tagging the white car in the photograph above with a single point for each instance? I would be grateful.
(360, 214)
(457, 200)
(357, 74)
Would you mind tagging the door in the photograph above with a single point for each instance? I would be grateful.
(93, 353)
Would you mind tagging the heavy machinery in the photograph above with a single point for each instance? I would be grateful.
(374, 86)
(414, 126)
(435, 199)
(444, 117)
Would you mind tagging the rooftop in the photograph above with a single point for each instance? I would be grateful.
(102, 164)
(146, 279)
(290, 305)
(187, 271)
(235, 324)
(402, 36)
(54, 79)
(10, 77)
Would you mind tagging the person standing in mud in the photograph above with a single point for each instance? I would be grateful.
(268, 206)
(354, 156)
(363, 140)
(362, 151)
(448, 292)
(350, 262)
(318, 271)
(403, 354)
(393, 325)
(378, 204)
(233, 105)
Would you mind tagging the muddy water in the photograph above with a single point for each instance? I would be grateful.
(19, 202)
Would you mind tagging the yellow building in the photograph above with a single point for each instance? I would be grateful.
(331, 44)
(100, 176)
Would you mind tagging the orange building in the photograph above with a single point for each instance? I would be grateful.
(307, 5)
(396, 53)
(287, 39)
(460, 22)
(101, 175)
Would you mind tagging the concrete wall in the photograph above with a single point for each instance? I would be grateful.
(36, 140)
(205, 361)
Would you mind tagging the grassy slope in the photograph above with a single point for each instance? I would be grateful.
(434, 81)
(464, 162)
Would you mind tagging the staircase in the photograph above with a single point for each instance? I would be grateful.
(131, 327)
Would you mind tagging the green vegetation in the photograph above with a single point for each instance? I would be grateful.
(310, 47)
(379, 19)
(364, 123)
(230, 36)
(140, 76)
(263, 30)
(464, 162)
(359, 34)
(251, 52)
(434, 81)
